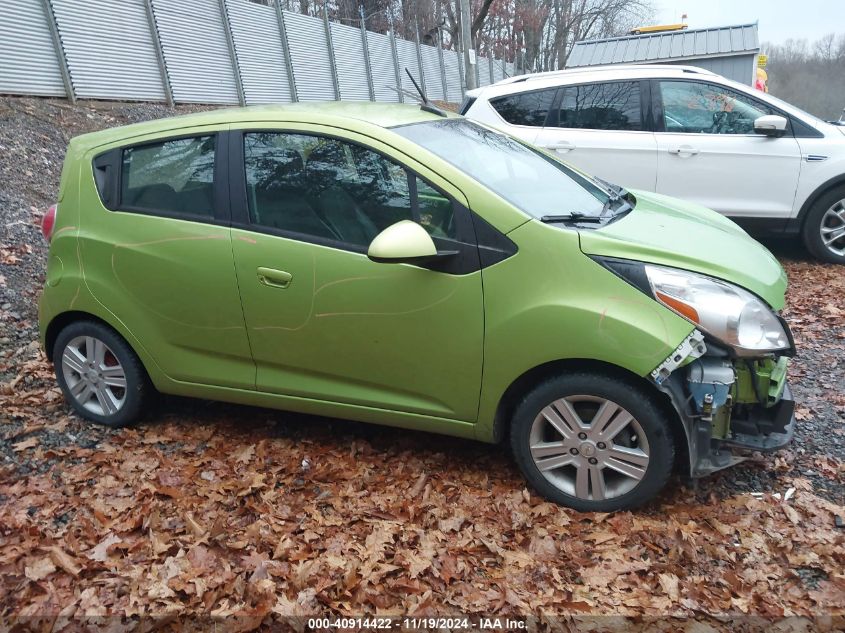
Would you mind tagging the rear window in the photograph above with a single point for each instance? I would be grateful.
(174, 177)
(527, 108)
(607, 106)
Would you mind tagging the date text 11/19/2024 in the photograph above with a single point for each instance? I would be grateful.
(417, 623)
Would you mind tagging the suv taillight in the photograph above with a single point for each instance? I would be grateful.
(48, 222)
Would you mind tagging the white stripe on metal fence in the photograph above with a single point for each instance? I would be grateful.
(195, 51)
(349, 60)
(260, 50)
(431, 71)
(109, 49)
(381, 62)
(310, 57)
(454, 80)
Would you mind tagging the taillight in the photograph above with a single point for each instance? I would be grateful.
(48, 222)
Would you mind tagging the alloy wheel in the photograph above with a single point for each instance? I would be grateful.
(94, 375)
(832, 228)
(589, 447)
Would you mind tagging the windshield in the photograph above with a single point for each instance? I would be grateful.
(525, 177)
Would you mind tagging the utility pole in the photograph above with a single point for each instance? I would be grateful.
(466, 44)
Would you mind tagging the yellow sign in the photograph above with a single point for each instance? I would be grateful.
(762, 60)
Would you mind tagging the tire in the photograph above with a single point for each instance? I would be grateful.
(644, 443)
(827, 215)
(95, 392)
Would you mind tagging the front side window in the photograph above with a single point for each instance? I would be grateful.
(701, 108)
(527, 108)
(607, 106)
(527, 178)
(174, 177)
(333, 190)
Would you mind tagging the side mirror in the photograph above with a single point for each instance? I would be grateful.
(403, 242)
(770, 125)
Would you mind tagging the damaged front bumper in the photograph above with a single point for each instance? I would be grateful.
(728, 406)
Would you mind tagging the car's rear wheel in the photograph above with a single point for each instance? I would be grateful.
(592, 442)
(824, 229)
(99, 374)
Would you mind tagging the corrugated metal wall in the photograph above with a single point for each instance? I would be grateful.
(431, 69)
(454, 81)
(261, 55)
(483, 66)
(406, 52)
(109, 49)
(309, 51)
(195, 50)
(349, 57)
(381, 62)
(498, 70)
(28, 63)
(211, 51)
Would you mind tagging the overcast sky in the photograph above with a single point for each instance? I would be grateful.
(779, 19)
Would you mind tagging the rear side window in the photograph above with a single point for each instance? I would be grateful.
(527, 108)
(174, 177)
(606, 106)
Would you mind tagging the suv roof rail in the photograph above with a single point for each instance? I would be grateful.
(605, 68)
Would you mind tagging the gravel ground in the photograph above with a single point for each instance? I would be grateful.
(33, 137)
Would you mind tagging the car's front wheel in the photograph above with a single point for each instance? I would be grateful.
(592, 442)
(824, 229)
(100, 375)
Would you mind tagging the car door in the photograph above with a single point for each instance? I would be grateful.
(708, 152)
(157, 253)
(601, 128)
(324, 321)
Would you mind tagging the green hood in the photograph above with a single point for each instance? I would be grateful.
(671, 232)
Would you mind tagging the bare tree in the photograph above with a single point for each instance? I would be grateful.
(810, 76)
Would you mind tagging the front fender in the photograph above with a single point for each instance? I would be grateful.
(550, 302)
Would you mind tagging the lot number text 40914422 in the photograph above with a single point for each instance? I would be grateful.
(414, 623)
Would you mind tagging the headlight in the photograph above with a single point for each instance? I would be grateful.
(727, 312)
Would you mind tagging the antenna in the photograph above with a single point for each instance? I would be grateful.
(425, 105)
(416, 85)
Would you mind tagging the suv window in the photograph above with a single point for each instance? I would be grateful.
(607, 106)
(326, 188)
(527, 108)
(693, 106)
(171, 177)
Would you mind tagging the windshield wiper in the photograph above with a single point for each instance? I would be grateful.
(615, 191)
(575, 216)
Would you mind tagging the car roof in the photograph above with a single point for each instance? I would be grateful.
(352, 115)
(534, 81)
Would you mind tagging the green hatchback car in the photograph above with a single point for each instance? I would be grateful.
(403, 266)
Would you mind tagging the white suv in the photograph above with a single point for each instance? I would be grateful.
(688, 133)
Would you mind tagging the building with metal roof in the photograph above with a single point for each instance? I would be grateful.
(730, 51)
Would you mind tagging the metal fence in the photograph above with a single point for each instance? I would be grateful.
(214, 51)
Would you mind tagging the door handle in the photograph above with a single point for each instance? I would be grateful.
(683, 150)
(564, 146)
(274, 278)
